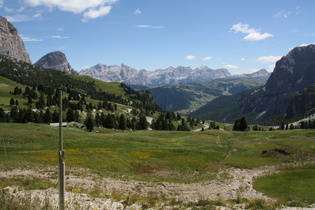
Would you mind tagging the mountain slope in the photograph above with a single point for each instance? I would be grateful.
(185, 98)
(294, 72)
(29, 75)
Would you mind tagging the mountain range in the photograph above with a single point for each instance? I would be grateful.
(185, 98)
(170, 75)
(288, 93)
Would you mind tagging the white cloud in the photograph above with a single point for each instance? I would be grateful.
(137, 12)
(96, 13)
(76, 6)
(85, 67)
(18, 18)
(91, 8)
(271, 67)
(253, 34)
(7, 9)
(38, 14)
(231, 67)
(148, 26)
(60, 29)
(59, 37)
(269, 59)
(283, 14)
(28, 39)
(242, 59)
(207, 58)
(304, 45)
(297, 11)
(190, 57)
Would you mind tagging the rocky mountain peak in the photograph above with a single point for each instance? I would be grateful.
(56, 61)
(261, 73)
(11, 44)
(293, 72)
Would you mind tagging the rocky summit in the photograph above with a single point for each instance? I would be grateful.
(56, 61)
(171, 75)
(293, 72)
(11, 44)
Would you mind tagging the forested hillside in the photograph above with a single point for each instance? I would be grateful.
(32, 95)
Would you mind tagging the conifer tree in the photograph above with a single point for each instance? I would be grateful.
(122, 122)
(55, 116)
(29, 116)
(2, 115)
(143, 123)
(12, 102)
(70, 115)
(47, 116)
(240, 124)
(89, 123)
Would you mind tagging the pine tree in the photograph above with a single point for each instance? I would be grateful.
(14, 113)
(12, 102)
(122, 122)
(184, 125)
(55, 116)
(70, 115)
(143, 123)
(89, 123)
(47, 116)
(110, 121)
(41, 102)
(2, 115)
(21, 116)
(240, 124)
(29, 116)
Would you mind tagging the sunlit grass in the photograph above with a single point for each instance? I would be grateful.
(292, 185)
(155, 155)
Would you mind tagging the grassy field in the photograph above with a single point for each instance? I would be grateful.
(6, 86)
(295, 186)
(168, 156)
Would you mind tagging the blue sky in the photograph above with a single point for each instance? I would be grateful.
(240, 35)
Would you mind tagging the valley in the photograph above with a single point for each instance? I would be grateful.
(174, 138)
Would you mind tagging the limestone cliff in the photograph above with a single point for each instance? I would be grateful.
(11, 44)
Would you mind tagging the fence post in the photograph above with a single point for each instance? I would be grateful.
(61, 162)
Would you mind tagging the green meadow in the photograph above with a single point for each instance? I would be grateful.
(157, 156)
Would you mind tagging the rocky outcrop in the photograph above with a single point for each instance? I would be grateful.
(302, 103)
(56, 61)
(293, 72)
(166, 76)
(11, 44)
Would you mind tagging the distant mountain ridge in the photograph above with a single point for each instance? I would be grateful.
(185, 98)
(171, 75)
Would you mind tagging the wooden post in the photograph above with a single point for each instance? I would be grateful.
(61, 155)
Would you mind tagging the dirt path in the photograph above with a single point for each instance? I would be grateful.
(239, 183)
